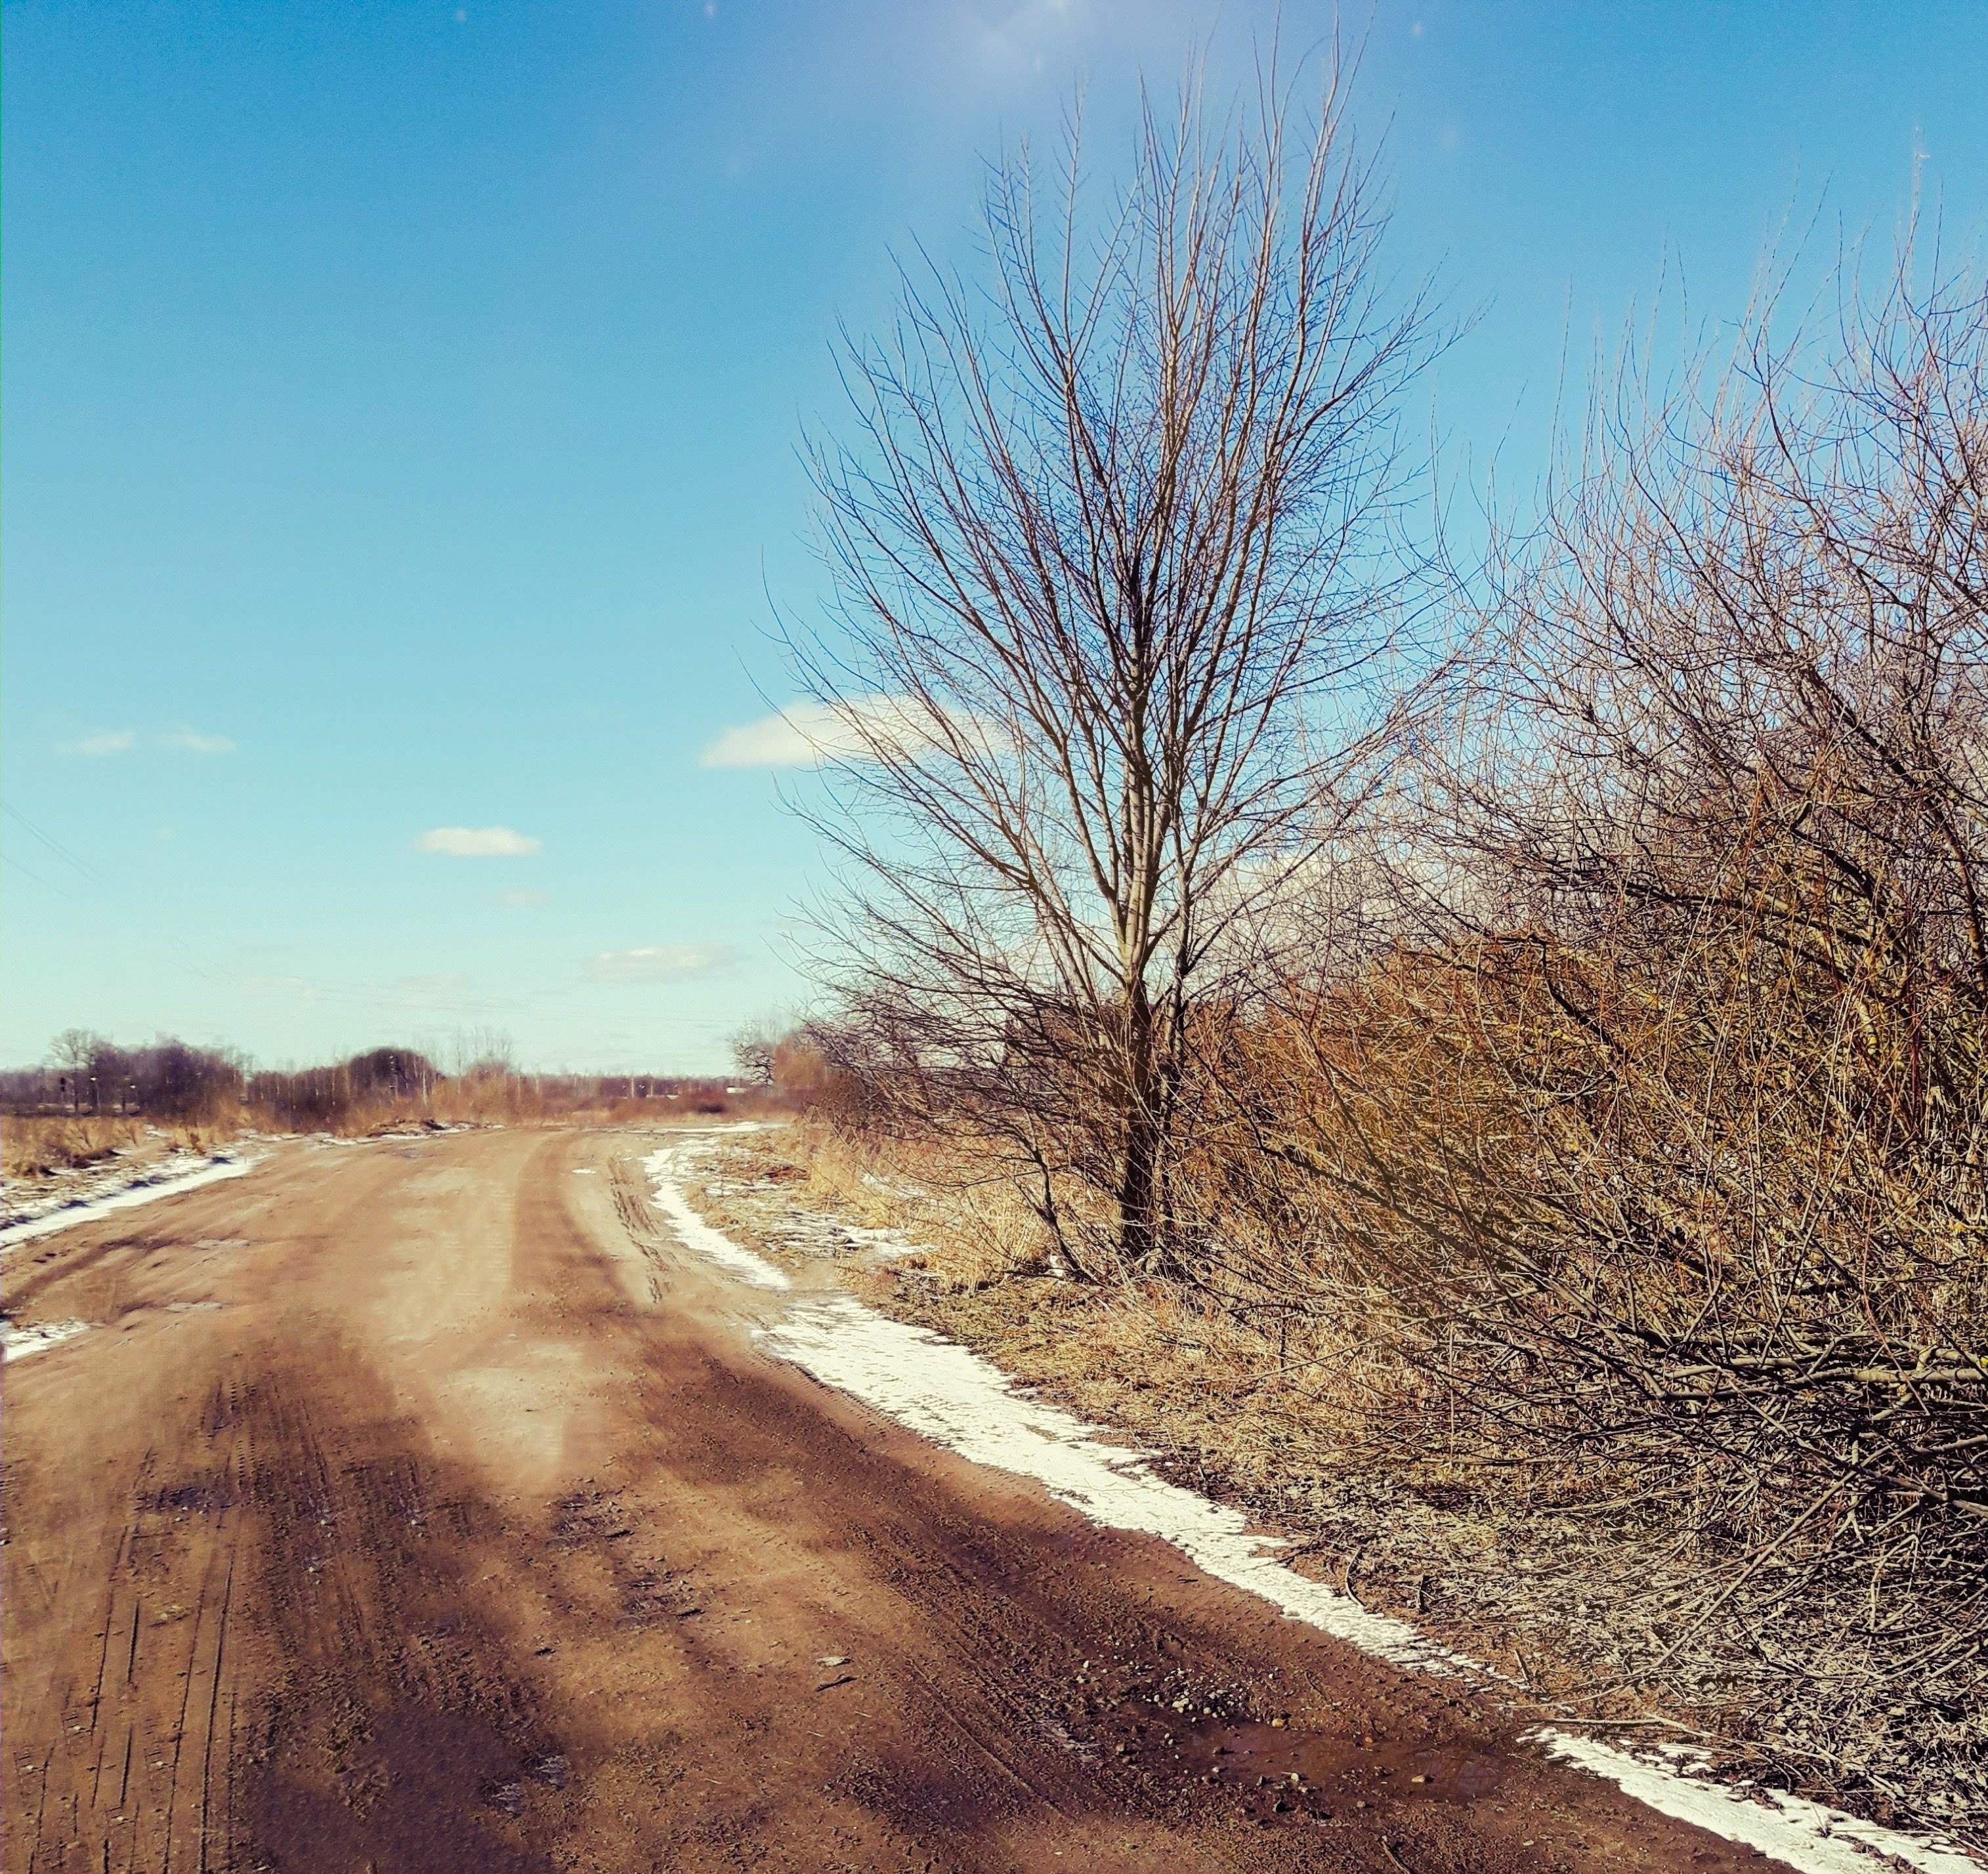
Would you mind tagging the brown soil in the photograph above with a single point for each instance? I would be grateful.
(422, 1505)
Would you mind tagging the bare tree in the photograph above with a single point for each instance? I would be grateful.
(756, 1048)
(1108, 545)
(486, 1053)
(70, 1054)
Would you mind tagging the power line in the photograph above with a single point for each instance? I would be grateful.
(54, 846)
(29, 872)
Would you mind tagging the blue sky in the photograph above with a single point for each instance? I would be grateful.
(401, 411)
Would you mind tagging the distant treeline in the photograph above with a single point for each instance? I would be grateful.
(170, 1079)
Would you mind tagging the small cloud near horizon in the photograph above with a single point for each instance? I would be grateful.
(441, 992)
(657, 963)
(291, 988)
(191, 741)
(806, 734)
(477, 842)
(99, 741)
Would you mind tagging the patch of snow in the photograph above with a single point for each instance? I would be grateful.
(1790, 1828)
(809, 1233)
(886, 1245)
(665, 1168)
(17, 1343)
(23, 1199)
(147, 1187)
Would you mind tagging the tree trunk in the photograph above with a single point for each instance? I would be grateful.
(1144, 1236)
(1140, 1236)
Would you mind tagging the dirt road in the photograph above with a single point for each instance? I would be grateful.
(424, 1504)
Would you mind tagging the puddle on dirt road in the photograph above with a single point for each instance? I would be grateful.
(1278, 1770)
(1285, 1768)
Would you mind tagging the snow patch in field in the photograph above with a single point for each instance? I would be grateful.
(147, 1187)
(886, 1245)
(665, 1169)
(1803, 1834)
(17, 1343)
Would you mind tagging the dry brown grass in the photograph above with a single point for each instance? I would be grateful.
(39, 1145)
(32, 1146)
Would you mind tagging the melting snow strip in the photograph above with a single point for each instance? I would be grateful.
(1803, 1834)
(17, 1343)
(664, 1169)
(957, 1399)
(954, 1397)
(143, 1190)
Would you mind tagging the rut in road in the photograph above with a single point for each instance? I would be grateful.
(287, 1672)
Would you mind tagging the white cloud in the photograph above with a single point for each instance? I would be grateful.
(518, 900)
(446, 991)
(806, 734)
(477, 842)
(99, 741)
(291, 988)
(657, 963)
(191, 741)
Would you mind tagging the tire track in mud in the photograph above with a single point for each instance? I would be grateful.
(386, 1724)
(993, 1618)
(318, 1576)
(134, 1715)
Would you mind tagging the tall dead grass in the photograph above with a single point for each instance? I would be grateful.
(35, 1145)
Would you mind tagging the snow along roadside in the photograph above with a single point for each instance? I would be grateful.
(144, 1190)
(954, 1397)
(17, 1343)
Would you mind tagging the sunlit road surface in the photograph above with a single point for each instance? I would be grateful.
(426, 1504)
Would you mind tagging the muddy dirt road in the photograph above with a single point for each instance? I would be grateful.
(425, 1504)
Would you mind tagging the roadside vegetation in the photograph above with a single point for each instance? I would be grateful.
(1492, 1057)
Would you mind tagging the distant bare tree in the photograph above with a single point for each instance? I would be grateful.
(755, 1048)
(484, 1053)
(114, 1077)
(70, 1054)
(1112, 608)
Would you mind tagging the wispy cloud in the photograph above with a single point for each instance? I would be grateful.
(658, 963)
(477, 842)
(291, 988)
(121, 742)
(99, 741)
(518, 900)
(444, 992)
(807, 734)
